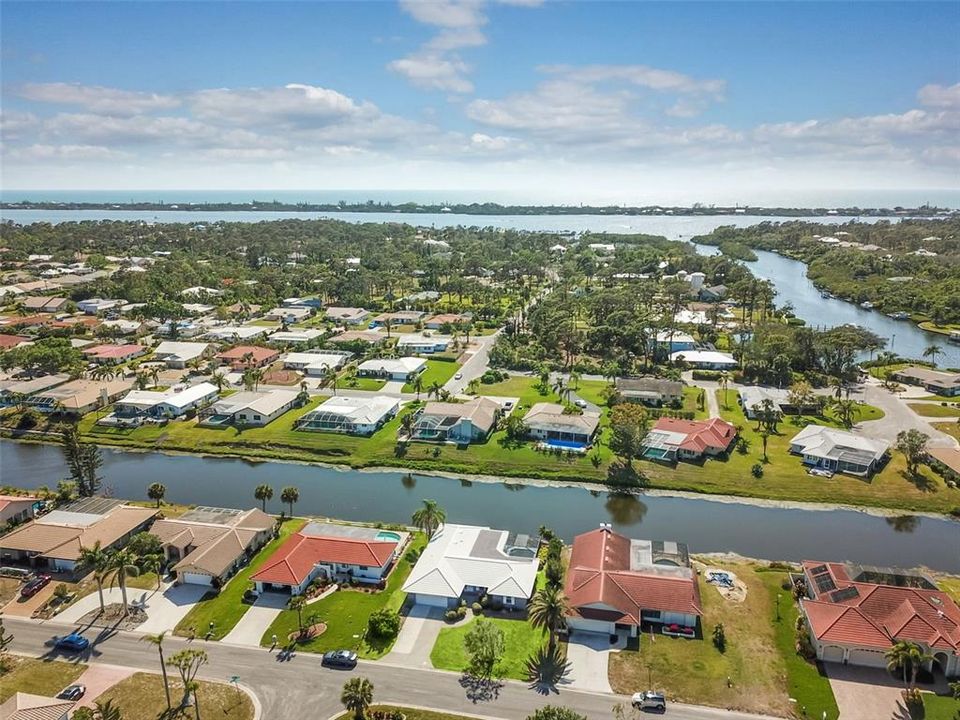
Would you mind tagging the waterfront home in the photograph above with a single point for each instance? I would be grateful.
(673, 439)
(934, 381)
(316, 363)
(17, 508)
(248, 408)
(79, 397)
(295, 336)
(402, 369)
(550, 424)
(615, 583)
(339, 553)
(945, 461)
(461, 423)
(422, 344)
(53, 541)
(347, 315)
(244, 357)
(26, 706)
(705, 359)
(138, 405)
(400, 317)
(178, 355)
(467, 562)
(13, 391)
(855, 613)
(369, 337)
(350, 415)
(672, 341)
(238, 333)
(838, 450)
(752, 397)
(435, 322)
(43, 304)
(651, 391)
(206, 545)
(113, 354)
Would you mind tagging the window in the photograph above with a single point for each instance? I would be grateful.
(507, 600)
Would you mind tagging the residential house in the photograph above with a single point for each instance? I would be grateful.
(673, 439)
(350, 415)
(671, 341)
(461, 423)
(248, 408)
(244, 357)
(122, 327)
(11, 341)
(467, 562)
(347, 315)
(714, 293)
(94, 306)
(435, 322)
(13, 391)
(197, 309)
(139, 405)
(838, 450)
(110, 354)
(180, 354)
(79, 397)
(855, 613)
(53, 541)
(705, 359)
(25, 706)
(290, 315)
(310, 302)
(359, 336)
(414, 344)
(752, 398)
(615, 583)
(17, 508)
(397, 369)
(651, 391)
(316, 363)
(945, 461)
(238, 333)
(44, 304)
(934, 381)
(200, 291)
(207, 545)
(400, 317)
(332, 552)
(552, 425)
(179, 328)
(295, 336)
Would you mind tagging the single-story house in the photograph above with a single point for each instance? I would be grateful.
(347, 315)
(122, 327)
(199, 291)
(672, 341)
(238, 333)
(423, 296)
(17, 508)
(934, 381)
(652, 391)
(854, 614)
(399, 369)
(174, 402)
(243, 357)
(945, 461)
(422, 344)
(290, 315)
(466, 562)
(110, 354)
(180, 354)
(350, 415)
(12, 391)
(457, 422)
(43, 303)
(549, 423)
(241, 308)
(316, 363)
(249, 408)
(78, 397)
(751, 398)
(98, 305)
(335, 552)
(184, 329)
(309, 302)
(714, 293)
(674, 439)
(25, 706)
(197, 309)
(616, 583)
(365, 336)
(11, 341)
(53, 541)
(435, 322)
(705, 359)
(295, 336)
(207, 545)
(399, 317)
(838, 450)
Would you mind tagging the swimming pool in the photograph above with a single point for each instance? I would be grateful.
(565, 444)
(388, 536)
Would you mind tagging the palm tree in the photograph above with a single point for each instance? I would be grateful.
(429, 518)
(157, 640)
(155, 375)
(106, 710)
(156, 491)
(191, 688)
(123, 564)
(846, 411)
(263, 493)
(435, 389)
(357, 696)
(154, 563)
(219, 379)
(547, 610)
(725, 386)
(907, 657)
(290, 495)
(932, 351)
(97, 559)
(297, 603)
(103, 372)
(418, 385)
(407, 424)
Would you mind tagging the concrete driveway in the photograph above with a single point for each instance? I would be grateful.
(257, 619)
(417, 636)
(865, 693)
(100, 678)
(589, 658)
(165, 607)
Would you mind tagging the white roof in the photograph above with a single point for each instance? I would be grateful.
(362, 410)
(295, 335)
(198, 289)
(830, 442)
(691, 316)
(241, 332)
(309, 359)
(704, 356)
(180, 350)
(266, 402)
(176, 396)
(393, 365)
(754, 395)
(408, 339)
(667, 336)
(461, 555)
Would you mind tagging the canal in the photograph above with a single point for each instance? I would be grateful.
(706, 525)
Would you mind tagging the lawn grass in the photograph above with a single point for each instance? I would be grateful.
(695, 671)
(950, 428)
(934, 410)
(437, 371)
(225, 608)
(346, 613)
(9, 587)
(363, 383)
(409, 713)
(691, 404)
(141, 697)
(936, 707)
(520, 640)
(38, 677)
(950, 584)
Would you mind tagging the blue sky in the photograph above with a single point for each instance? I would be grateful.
(695, 98)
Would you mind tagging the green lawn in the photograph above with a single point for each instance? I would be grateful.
(934, 410)
(408, 713)
(437, 371)
(937, 707)
(362, 383)
(950, 428)
(38, 677)
(141, 697)
(225, 608)
(520, 640)
(346, 613)
(690, 402)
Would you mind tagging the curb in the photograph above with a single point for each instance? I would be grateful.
(255, 701)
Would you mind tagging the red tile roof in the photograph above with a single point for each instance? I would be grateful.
(260, 354)
(9, 341)
(113, 351)
(600, 574)
(294, 560)
(878, 615)
(715, 434)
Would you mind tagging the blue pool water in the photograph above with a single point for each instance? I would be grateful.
(387, 536)
(565, 444)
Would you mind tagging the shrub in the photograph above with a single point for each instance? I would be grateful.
(30, 418)
(451, 615)
(383, 624)
(461, 612)
(706, 374)
(477, 608)
(757, 470)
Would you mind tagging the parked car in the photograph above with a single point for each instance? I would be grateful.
(340, 659)
(74, 642)
(34, 586)
(72, 692)
(649, 700)
(250, 597)
(458, 376)
(580, 403)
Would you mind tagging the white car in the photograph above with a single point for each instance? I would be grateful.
(458, 376)
(649, 700)
(581, 404)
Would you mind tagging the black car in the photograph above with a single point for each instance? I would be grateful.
(340, 659)
(72, 692)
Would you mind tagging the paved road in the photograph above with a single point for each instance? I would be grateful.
(300, 687)
(476, 365)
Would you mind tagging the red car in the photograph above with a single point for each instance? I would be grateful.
(34, 586)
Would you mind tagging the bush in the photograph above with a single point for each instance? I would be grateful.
(757, 470)
(477, 608)
(29, 419)
(451, 615)
(383, 624)
(461, 612)
(706, 374)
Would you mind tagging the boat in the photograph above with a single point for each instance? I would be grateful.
(866, 305)
(824, 294)
(899, 315)
(954, 336)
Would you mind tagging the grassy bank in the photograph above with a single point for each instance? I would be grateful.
(520, 640)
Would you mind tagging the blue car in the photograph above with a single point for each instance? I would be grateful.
(74, 642)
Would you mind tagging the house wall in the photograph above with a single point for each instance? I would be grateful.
(16, 511)
(249, 417)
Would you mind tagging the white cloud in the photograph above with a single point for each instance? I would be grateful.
(940, 96)
(97, 98)
(40, 152)
(638, 75)
(434, 71)
(294, 104)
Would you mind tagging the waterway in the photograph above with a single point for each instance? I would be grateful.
(706, 525)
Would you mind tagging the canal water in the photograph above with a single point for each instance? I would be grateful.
(706, 525)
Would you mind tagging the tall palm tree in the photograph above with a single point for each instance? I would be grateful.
(263, 493)
(96, 559)
(907, 657)
(154, 563)
(418, 385)
(156, 491)
(219, 379)
(429, 518)
(357, 695)
(297, 603)
(932, 351)
(191, 688)
(123, 564)
(435, 388)
(155, 375)
(725, 386)
(157, 641)
(290, 495)
(407, 424)
(547, 610)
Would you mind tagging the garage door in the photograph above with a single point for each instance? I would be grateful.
(832, 653)
(432, 600)
(196, 578)
(869, 658)
(594, 626)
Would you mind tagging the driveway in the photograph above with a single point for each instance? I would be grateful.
(393, 387)
(257, 619)
(100, 678)
(165, 607)
(417, 636)
(865, 693)
(24, 608)
(589, 658)
(476, 363)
